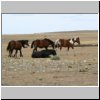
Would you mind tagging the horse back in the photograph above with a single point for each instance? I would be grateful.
(42, 43)
(15, 44)
(63, 42)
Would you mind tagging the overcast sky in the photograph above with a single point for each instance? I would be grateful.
(38, 23)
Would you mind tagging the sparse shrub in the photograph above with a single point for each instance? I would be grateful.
(69, 66)
(46, 65)
(54, 58)
(89, 64)
(83, 70)
(40, 79)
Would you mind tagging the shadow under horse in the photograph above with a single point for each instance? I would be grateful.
(17, 45)
(45, 43)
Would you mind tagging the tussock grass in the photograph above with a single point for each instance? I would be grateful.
(54, 57)
(84, 70)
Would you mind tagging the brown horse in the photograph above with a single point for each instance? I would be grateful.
(16, 45)
(67, 43)
(45, 43)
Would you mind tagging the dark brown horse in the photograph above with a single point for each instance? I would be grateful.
(45, 43)
(16, 45)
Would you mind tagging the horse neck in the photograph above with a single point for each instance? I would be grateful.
(73, 41)
(21, 42)
(50, 41)
(23, 45)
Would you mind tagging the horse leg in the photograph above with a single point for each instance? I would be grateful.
(67, 50)
(21, 54)
(53, 46)
(35, 49)
(15, 55)
(46, 48)
(11, 52)
(60, 48)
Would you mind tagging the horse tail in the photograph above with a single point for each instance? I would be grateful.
(57, 43)
(8, 47)
(32, 44)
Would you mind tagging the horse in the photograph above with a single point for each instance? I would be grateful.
(43, 53)
(67, 43)
(43, 43)
(16, 45)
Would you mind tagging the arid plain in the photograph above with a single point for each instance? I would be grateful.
(68, 70)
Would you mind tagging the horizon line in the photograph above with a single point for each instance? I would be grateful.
(46, 32)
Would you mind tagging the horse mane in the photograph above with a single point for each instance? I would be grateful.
(22, 42)
(49, 40)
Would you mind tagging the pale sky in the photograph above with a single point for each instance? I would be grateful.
(38, 23)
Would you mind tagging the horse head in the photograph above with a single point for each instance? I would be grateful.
(24, 43)
(77, 40)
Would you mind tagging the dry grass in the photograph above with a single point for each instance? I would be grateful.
(69, 70)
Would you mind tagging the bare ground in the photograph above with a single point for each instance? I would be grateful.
(69, 70)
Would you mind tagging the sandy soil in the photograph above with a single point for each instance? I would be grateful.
(69, 70)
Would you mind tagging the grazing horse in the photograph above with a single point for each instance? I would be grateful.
(16, 45)
(45, 43)
(43, 53)
(67, 42)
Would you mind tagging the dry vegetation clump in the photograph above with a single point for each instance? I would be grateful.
(54, 57)
(86, 69)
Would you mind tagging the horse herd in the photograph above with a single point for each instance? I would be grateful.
(41, 43)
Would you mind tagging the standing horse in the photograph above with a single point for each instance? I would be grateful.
(16, 45)
(45, 43)
(67, 43)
